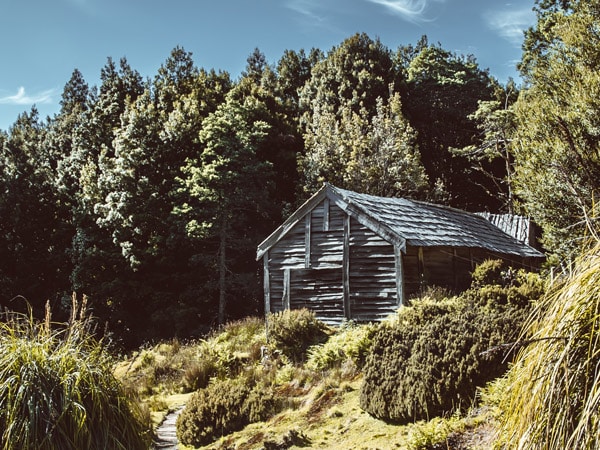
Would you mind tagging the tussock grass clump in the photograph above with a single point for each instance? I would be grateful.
(57, 389)
(553, 391)
(175, 367)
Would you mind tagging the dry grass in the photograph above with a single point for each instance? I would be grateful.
(553, 390)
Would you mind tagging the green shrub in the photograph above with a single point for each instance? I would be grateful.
(224, 407)
(430, 360)
(213, 412)
(57, 389)
(352, 342)
(294, 331)
(489, 272)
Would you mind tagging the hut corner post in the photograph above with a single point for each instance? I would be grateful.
(267, 291)
(399, 274)
(346, 268)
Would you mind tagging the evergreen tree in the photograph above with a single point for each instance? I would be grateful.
(558, 118)
(32, 258)
(375, 155)
(493, 156)
(443, 90)
(228, 189)
(354, 74)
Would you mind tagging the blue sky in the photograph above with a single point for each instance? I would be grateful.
(42, 41)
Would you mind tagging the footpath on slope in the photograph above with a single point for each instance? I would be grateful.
(166, 436)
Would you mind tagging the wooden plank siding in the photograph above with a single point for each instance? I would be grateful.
(319, 290)
(327, 236)
(371, 271)
(311, 251)
(347, 255)
(372, 275)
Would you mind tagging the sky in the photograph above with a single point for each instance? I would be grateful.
(43, 41)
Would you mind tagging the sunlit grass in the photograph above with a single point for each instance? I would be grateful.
(553, 390)
(57, 390)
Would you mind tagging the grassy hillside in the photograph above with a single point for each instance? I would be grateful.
(302, 387)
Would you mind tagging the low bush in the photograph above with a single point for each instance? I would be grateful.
(294, 331)
(431, 359)
(57, 389)
(225, 406)
(490, 272)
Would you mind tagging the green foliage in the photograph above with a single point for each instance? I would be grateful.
(493, 156)
(221, 408)
(351, 343)
(443, 91)
(489, 272)
(557, 159)
(172, 367)
(294, 331)
(550, 398)
(213, 412)
(57, 389)
(430, 360)
(374, 153)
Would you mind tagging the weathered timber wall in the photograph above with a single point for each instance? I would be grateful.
(286, 254)
(373, 294)
(319, 290)
(327, 239)
(315, 281)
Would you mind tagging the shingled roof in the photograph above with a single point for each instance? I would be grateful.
(409, 222)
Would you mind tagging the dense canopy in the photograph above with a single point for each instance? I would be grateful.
(150, 195)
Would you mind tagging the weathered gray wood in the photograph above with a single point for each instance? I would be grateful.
(346, 268)
(291, 221)
(286, 289)
(326, 214)
(307, 252)
(399, 276)
(267, 283)
(372, 274)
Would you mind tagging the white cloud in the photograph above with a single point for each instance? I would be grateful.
(306, 8)
(510, 24)
(411, 10)
(22, 98)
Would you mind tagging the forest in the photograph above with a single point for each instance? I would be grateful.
(149, 196)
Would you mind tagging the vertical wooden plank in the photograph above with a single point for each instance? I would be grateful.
(267, 282)
(421, 265)
(455, 267)
(286, 288)
(307, 222)
(399, 275)
(267, 291)
(326, 214)
(346, 268)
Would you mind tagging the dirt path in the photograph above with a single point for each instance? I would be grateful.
(166, 437)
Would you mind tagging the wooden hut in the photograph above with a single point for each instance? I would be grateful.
(347, 255)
